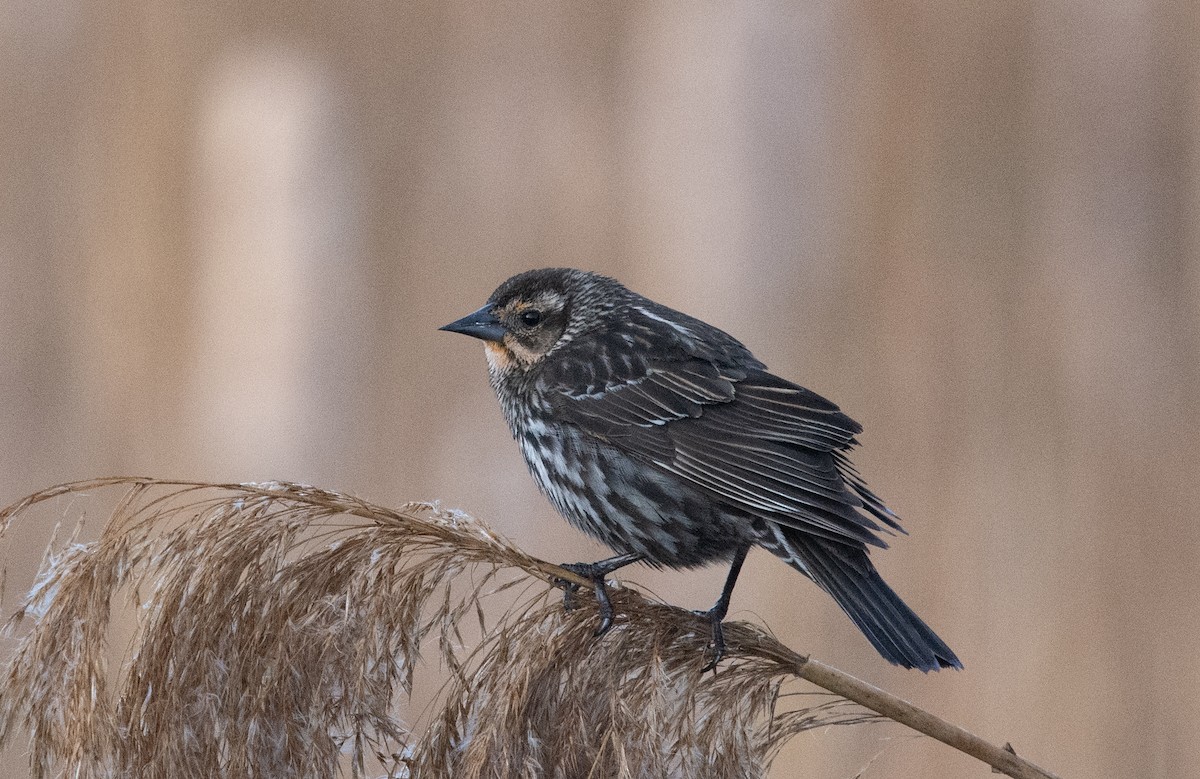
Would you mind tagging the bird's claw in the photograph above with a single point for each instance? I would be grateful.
(718, 639)
(597, 576)
(592, 571)
(569, 589)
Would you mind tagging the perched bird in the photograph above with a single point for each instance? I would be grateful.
(664, 438)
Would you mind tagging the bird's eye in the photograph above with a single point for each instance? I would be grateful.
(531, 317)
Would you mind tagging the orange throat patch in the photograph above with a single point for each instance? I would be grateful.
(498, 356)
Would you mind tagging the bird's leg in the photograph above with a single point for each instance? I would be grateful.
(597, 572)
(717, 613)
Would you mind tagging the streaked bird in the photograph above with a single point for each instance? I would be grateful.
(664, 438)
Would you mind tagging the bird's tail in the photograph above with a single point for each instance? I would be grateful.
(846, 573)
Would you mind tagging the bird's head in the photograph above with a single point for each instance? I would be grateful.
(535, 312)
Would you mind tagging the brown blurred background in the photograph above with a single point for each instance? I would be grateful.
(228, 234)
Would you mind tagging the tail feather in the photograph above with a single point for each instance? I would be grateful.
(846, 573)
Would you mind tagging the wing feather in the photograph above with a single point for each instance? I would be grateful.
(761, 444)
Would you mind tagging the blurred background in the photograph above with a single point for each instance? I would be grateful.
(229, 232)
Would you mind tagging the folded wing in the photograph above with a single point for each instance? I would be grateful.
(754, 441)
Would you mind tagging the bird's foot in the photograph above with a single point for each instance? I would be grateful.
(715, 616)
(597, 573)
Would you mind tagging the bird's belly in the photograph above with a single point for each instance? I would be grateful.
(627, 504)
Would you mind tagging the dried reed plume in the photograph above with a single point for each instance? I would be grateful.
(279, 626)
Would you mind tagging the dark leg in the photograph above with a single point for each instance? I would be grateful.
(717, 613)
(597, 572)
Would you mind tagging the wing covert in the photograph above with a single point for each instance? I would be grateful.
(753, 440)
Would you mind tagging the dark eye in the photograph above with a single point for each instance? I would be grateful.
(531, 317)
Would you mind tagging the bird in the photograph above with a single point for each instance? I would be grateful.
(664, 438)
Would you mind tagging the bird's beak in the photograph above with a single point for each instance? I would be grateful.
(481, 324)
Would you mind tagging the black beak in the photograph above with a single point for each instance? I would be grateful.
(481, 324)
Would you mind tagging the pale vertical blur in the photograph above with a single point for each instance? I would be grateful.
(279, 275)
(228, 233)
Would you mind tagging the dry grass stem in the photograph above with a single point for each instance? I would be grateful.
(280, 628)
